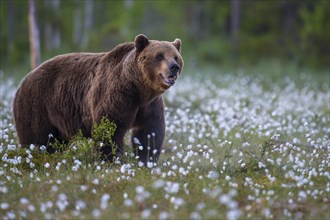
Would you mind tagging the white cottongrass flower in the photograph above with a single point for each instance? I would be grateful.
(302, 195)
(163, 215)
(11, 215)
(224, 199)
(233, 214)
(158, 184)
(83, 188)
(172, 187)
(150, 164)
(96, 182)
(136, 141)
(80, 204)
(96, 213)
(139, 189)
(11, 147)
(42, 148)
(32, 147)
(195, 216)
(75, 168)
(213, 174)
(177, 202)
(128, 202)
(124, 167)
(104, 201)
(141, 194)
(145, 213)
(47, 165)
(4, 205)
(45, 205)
(62, 202)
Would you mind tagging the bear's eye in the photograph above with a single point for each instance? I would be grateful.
(176, 58)
(160, 57)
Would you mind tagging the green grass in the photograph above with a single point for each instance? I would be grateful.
(239, 144)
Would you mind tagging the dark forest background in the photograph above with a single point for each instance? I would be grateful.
(216, 32)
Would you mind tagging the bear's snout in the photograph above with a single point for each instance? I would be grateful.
(174, 68)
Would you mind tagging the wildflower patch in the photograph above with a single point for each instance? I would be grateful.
(237, 146)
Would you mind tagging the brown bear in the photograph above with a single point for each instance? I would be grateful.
(72, 92)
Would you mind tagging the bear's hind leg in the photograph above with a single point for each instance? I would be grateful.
(36, 131)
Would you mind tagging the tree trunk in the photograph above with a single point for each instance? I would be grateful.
(34, 36)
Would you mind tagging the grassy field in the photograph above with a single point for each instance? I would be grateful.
(238, 145)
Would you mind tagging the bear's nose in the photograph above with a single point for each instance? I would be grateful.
(174, 68)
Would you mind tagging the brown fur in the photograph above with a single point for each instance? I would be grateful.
(74, 91)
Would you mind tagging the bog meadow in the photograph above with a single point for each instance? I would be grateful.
(247, 122)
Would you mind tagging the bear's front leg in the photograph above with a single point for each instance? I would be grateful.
(149, 131)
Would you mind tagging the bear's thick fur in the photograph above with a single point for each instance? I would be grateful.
(74, 91)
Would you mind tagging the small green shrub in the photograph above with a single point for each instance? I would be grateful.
(79, 149)
(88, 149)
(102, 134)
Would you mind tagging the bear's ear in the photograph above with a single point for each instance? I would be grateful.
(177, 43)
(141, 41)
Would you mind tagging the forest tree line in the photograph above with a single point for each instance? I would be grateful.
(243, 31)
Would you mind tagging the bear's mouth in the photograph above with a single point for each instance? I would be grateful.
(169, 80)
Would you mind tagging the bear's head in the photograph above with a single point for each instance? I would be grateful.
(160, 62)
